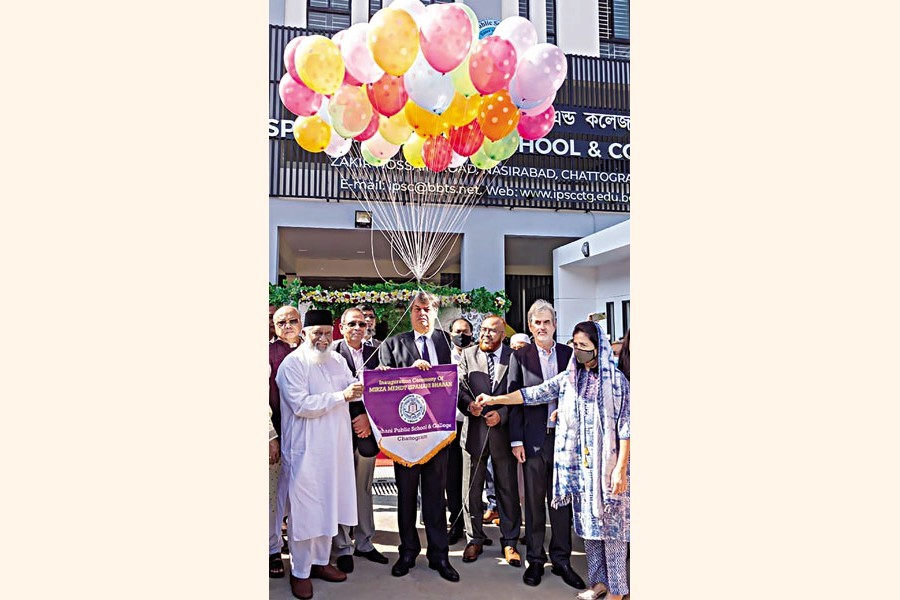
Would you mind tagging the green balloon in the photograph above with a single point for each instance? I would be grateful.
(473, 18)
(481, 160)
(502, 148)
(371, 158)
(460, 76)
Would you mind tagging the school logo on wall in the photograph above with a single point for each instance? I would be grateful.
(412, 408)
(486, 27)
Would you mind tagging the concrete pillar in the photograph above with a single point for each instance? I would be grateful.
(482, 261)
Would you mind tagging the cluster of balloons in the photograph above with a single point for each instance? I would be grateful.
(419, 78)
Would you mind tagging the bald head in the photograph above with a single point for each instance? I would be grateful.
(492, 333)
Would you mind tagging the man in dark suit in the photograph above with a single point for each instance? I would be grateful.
(532, 434)
(461, 336)
(358, 356)
(483, 370)
(421, 348)
(368, 312)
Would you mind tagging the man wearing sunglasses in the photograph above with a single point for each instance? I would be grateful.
(286, 322)
(359, 356)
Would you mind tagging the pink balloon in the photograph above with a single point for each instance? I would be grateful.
(537, 126)
(492, 64)
(289, 57)
(298, 98)
(338, 146)
(388, 95)
(380, 147)
(519, 31)
(445, 36)
(538, 108)
(350, 111)
(371, 129)
(357, 58)
(541, 71)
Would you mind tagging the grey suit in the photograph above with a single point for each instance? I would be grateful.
(364, 468)
(481, 442)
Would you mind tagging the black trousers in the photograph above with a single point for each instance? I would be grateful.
(433, 476)
(538, 475)
(454, 480)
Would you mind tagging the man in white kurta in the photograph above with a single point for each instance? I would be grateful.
(317, 450)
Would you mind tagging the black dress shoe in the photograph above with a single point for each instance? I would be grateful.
(374, 555)
(533, 574)
(569, 576)
(454, 536)
(445, 569)
(345, 563)
(402, 566)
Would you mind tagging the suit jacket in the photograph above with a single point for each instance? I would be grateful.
(474, 380)
(401, 351)
(367, 446)
(528, 424)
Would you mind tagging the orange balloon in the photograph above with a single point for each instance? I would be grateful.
(497, 116)
(312, 133)
(424, 122)
(462, 110)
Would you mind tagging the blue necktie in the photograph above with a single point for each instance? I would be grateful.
(425, 355)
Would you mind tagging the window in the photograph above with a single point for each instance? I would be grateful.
(626, 315)
(551, 21)
(615, 28)
(525, 8)
(374, 7)
(331, 15)
(611, 320)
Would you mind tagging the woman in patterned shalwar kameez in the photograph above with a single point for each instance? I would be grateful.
(591, 451)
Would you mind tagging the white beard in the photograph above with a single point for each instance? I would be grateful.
(314, 355)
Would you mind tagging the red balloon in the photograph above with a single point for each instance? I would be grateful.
(466, 140)
(289, 57)
(370, 129)
(437, 153)
(388, 95)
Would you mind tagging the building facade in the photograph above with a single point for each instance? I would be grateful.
(551, 197)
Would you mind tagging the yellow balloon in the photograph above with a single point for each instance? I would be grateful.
(412, 151)
(312, 133)
(393, 40)
(424, 122)
(395, 129)
(462, 110)
(319, 64)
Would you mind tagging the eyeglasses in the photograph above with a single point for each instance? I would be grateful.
(288, 322)
(355, 324)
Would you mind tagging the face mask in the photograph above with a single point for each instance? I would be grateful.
(461, 340)
(585, 356)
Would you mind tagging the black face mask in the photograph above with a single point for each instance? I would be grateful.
(461, 340)
(585, 356)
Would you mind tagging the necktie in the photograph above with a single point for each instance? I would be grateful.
(490, 359)
(425, 355)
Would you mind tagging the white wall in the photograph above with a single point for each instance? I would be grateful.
(482, 259)
(295, 13)
(578, 27)
(585, 284)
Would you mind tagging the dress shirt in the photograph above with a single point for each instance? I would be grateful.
(357, 359)
(549, 369)
(496, 354)
(432, 351)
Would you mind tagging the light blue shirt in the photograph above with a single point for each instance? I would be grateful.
(549, 369)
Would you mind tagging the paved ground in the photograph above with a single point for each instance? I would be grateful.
(489, 576)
